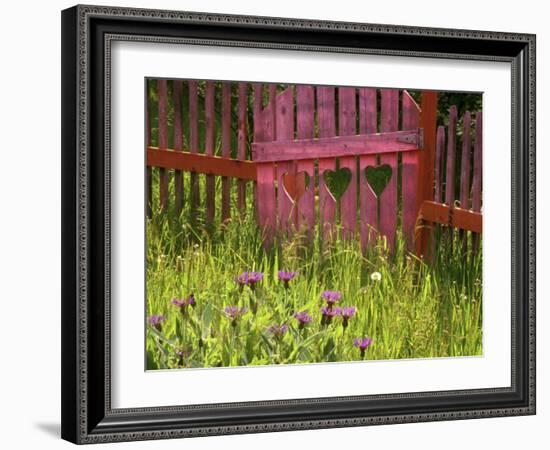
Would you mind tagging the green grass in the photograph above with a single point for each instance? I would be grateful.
(415, 310)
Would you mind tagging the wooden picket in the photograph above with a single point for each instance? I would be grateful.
(210, 140)
(305, 124)
(178, 141)
(327, 127)
(409, 171)
(163, 139)
(368, 210)
(388, 197)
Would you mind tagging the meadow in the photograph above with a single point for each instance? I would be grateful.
(216, 297)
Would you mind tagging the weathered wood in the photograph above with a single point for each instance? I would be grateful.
(347, 127)
(257, 107)
(439, 149)
(149, 171)
(178, 141)
(284, 129)
(327, 202)
(338, 146)
(465, 173)
(389, 117)
(368, 113)
(368, 204)
(409, 172)
(264, 130)
(428, 118)
(242, 106)
(162, 88)
(476, 183)
(305, 111)
(327, 128)
(194, 144)
(226, 148)
(199, 163)
(451, 149)
(368, 124)
(465, 163)
(443, 214)
(210, 142)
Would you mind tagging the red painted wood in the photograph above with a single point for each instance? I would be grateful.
(257, 89)
(439, 149)
(409, 172)
(284, 126)
(368, 204)
(305, 111)
(178, 141)
(327, 202)
(149, 171)
(368, 114)
(465, 163)
(264, 130)
(199, 163)
(210, 142)
(242, 105)
(368, 123)
(451, 149)
(163, 139)
(428, 119)
(327, 127)
(477, 179)
(337, 146)
(388, 198)
(226, 148)
(347, 124)
(194, 143)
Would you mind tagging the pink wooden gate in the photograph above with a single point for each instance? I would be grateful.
(341, 133)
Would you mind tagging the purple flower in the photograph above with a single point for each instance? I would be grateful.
(362, 344)
(328, 313)
(235, 313)
(278, 331)
(183, 303)
(347, 313)
(249, 279)
(331, 297)
(156, 322)
(303, 318)
(285, 277)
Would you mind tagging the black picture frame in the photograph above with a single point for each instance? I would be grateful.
(87, 416)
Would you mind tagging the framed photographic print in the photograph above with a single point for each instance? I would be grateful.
(268, 222)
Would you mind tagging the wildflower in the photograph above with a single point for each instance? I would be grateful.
(183, 303)
(278, 331)
(235, 313)
(362, 344)
(331, 297)
(156, 322)
(376, 276)
(303, 318)
(249, 279)
(285, 277)
(327, 314)
(347, 313)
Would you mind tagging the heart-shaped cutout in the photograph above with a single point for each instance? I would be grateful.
(337, 181)
(378, 177)
(296, 185)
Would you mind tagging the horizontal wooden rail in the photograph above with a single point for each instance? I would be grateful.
(456, 217)
(199, 163)
(338, 146)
